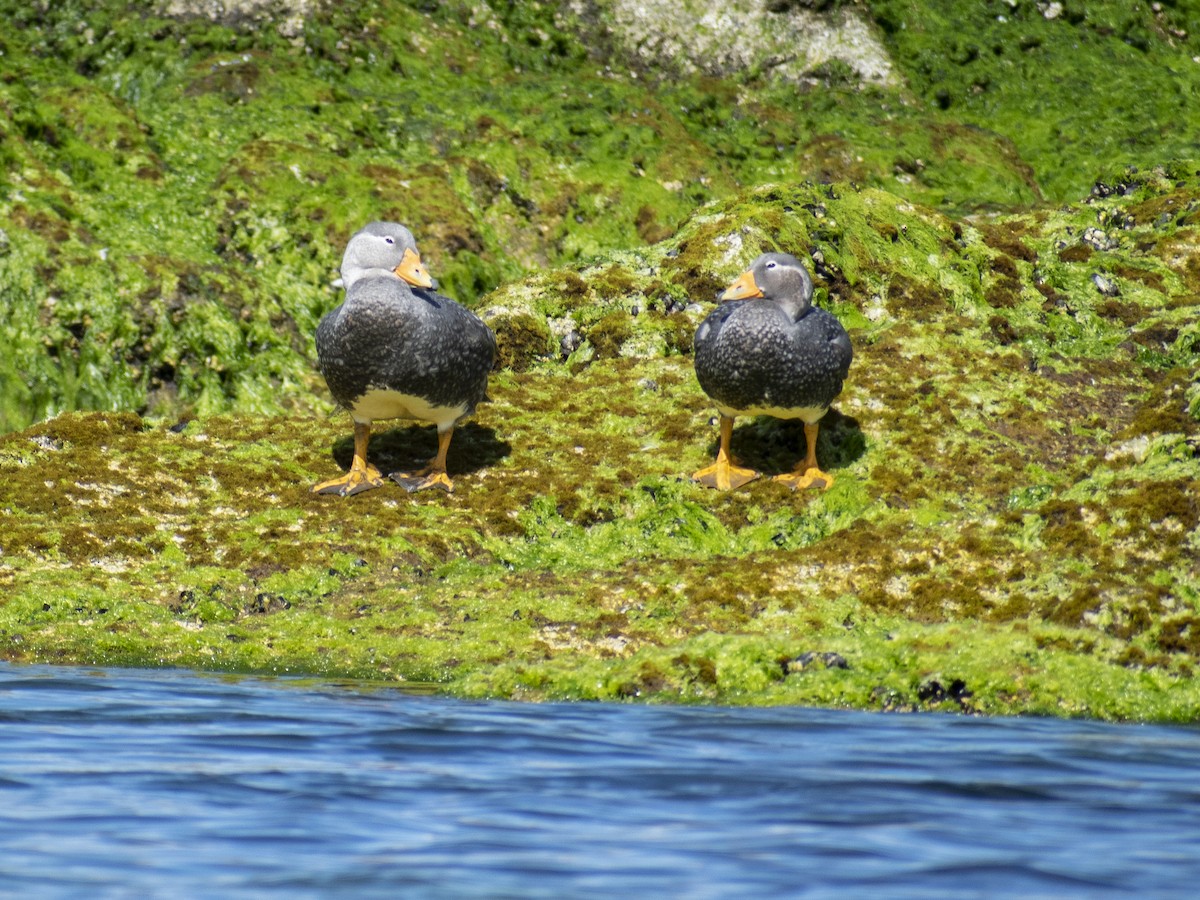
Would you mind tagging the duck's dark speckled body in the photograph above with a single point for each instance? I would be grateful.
(768, 351)
(395, 349)
(391, 351)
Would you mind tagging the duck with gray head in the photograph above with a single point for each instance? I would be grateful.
(397, 349)
(767, 351)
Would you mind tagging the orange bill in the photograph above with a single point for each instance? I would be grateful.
(743, 289)
(412, 271)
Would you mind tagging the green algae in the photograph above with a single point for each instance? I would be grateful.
(576, 560)
(1057, 86)
(1049, 504)
(1013, 525)
(178, 189)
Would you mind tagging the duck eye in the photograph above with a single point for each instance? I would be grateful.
(771, 265)
(389, 240)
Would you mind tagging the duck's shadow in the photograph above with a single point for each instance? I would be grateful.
(404, 449)
(776, 446)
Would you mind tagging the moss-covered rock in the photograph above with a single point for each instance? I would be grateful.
(1013, 525)
(789, 42)
(179, 178)
(1014, 517)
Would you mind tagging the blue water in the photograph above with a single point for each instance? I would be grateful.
(118, 783)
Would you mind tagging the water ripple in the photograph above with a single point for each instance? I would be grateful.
(164, 784)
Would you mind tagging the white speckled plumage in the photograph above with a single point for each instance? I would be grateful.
(397, 350)
(767, 350)
(774, 355)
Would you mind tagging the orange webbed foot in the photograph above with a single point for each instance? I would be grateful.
(429, 477)
(724, 476)
(802, 479)
(353, 482)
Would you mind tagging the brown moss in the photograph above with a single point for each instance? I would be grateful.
(613, 282)
(1157, 502)
(572, 286)
(1152, 280)
(1164, 410)
(609, 334)
(690, 268)
(1003, 330)
(1005, 267)
(1191, 275)
(650, 679)
(235, 81)
(1003, 295)
(678, 333)
(918, 299)
(830, 157)
(521, 339)
(648, 227)
(1156, 336)
(1073, 609)
(1076, 254)
(1005, 292)
(886, 230)
(1064, 528)
(1134, 657)
(939, 599)
(485, 183)
(51, 227)
(1007, 239)
(78, 543)
(1128, 314)
(89, 428)
(698, 669)
(1174, 205)
(1180, 634)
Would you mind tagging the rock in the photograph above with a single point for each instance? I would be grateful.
(1105, 285)
(932, 691)
(1098, 240)
(811, 658)
(785, 41)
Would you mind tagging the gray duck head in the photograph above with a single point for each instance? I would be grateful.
(384, 245)
(775, 276)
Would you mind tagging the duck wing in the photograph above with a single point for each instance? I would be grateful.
(448, 352)
(714, 322)
(840, 350)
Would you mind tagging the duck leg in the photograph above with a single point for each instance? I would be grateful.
(725, 474)
(434, 474)
(807, 473)
(362, 475)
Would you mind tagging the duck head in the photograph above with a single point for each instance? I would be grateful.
(775, 276)
(384, 245)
